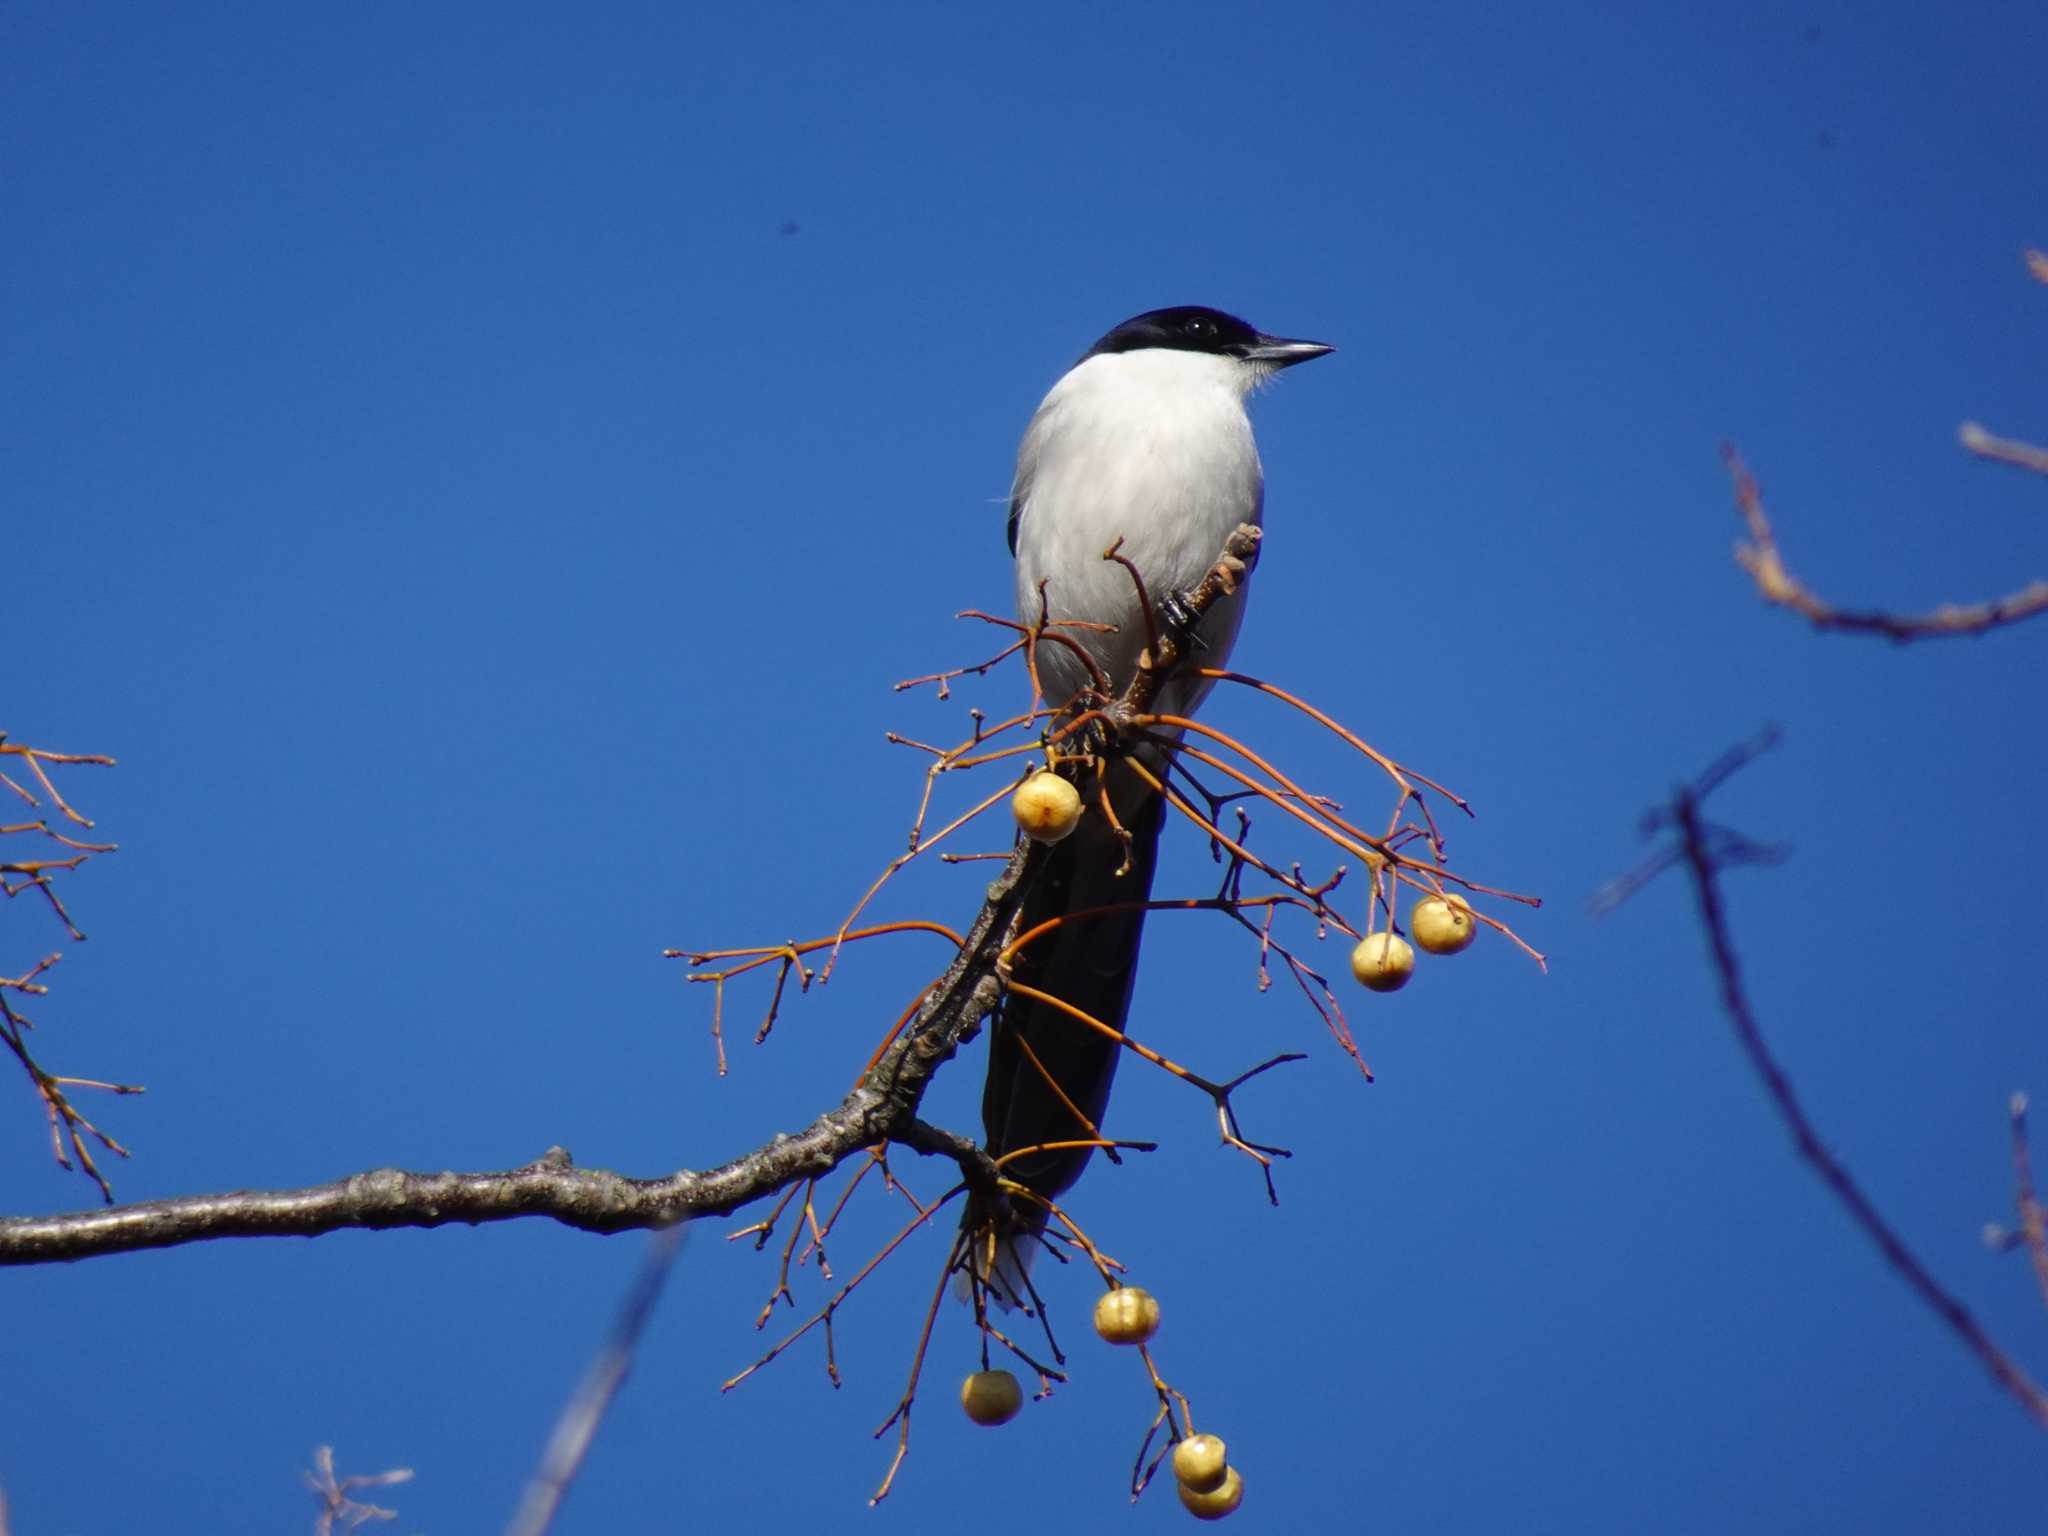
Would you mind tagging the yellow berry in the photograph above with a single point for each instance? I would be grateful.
(991, 1397)
(1217, 1502)
(1127, 1315)
(1382, 962)
(1199, 1463)
(1046, 806)
(1442, 925)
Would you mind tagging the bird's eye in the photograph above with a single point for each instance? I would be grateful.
(1200, 327)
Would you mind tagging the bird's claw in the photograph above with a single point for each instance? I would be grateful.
(1180, 620)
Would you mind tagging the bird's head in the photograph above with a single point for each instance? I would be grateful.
(1197, 329)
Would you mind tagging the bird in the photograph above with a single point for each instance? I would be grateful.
(1145, 440)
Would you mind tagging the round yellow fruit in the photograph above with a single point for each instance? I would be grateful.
(1382, 962)
(1199, 1463)
(1127, 1315)
(1219, 1501)
(1442, 925)
(991, 1397)
(1046, 806)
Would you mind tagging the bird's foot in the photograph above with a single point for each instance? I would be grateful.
(1180, 620)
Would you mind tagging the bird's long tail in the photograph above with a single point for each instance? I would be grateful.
(1049, 1074)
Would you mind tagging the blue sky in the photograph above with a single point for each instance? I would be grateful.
(487, 541)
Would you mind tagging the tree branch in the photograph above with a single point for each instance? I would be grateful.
(577, 1428)
(2003, 450)
(884, 1103)
(1779, 586)
(1696, 846)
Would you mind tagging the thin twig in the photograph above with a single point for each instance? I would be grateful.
(335, 1493)
(2033, 1229)
(2004, 450)
(1696, 845)
(1777, 585)
(581, 1418)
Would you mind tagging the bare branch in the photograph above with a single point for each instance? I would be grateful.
(2005, 450)
(1779, 586)
(71, 1132)
(878, 1109)
(579, 1423)
(335, 1494)
(2033, 1228)
(1695, 842)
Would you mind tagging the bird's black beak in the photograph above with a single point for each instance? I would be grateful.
(1279, 352)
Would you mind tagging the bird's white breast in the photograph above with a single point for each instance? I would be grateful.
(1152, 447)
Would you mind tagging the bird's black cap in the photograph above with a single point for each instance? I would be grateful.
(1197, 328)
